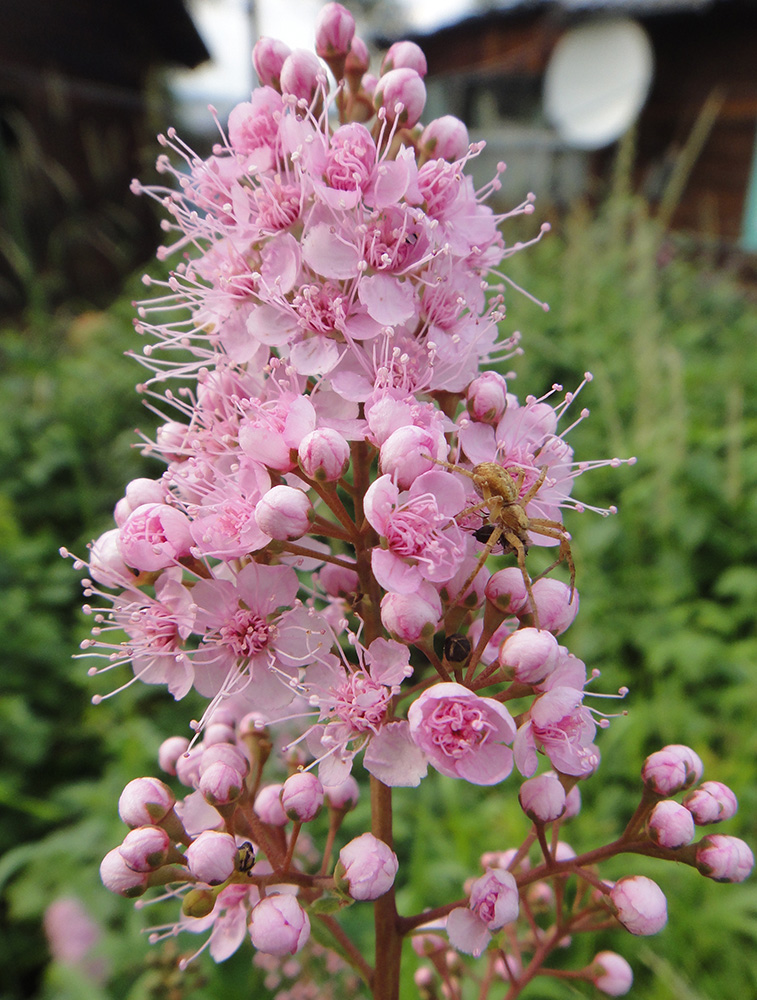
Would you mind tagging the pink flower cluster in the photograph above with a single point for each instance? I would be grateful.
(341, 468)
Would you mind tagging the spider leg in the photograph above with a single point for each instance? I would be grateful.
(533, 490)
(553, 529)
(488, 548)
(520, 553)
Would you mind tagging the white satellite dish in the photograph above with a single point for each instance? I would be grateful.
(597, 81)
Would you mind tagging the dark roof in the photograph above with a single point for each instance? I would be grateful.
(107, 41)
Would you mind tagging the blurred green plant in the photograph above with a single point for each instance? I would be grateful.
(668, 590)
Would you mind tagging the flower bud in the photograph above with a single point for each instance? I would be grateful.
(357, 63)
(612, 974)
(334, 31)
(366, 867)
(302, 796)
(188, 766)
(487, 394)
(403, 95)
(338, 581)
(407, 617)
(154, 536)
(279, 925)
(531, 654)
(711, 802)
(106, 564)
(343, 797)
(268, 806)
(169, 752)
(212, 857)
(324, 455)
(138, 492)
(572, 803)
(723, 858)
(447, 138)
(198, 903)
(283, 512)
(268, 57)
(639, 904)
(145, 848)
(556, 605)
(408, 452)
(220, 783)
(670, 825)
(506, 590)
(494, 898)
(224, 753)
(671, 769)
(118, 877)
(405, 55)
(145, 801)
(542, 799)
(301, 74)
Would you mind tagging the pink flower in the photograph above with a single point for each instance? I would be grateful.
(154, 536)
(563, 729)
(494, 902)
(639, 904)
(462, 734)
(422, 540)
(367, 867)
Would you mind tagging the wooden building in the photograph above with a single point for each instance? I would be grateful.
(76, 82)
(489, 70)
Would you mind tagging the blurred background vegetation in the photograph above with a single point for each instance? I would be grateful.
(668, 594)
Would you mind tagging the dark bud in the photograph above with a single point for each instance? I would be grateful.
(457, 648)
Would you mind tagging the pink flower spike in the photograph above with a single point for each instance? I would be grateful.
(711, 802)
(279, 925)
(639, 904)
(302, 796)
(542, 799)
(462, 734)
(671, 769)
(366, 867)
(212, 857)
(671, 825)
(283, 513)
(612, 974)
(723, 858)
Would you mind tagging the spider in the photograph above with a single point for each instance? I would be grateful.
(508, 521)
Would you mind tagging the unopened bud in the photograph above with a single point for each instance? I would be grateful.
(639, 904)
(145, 848)
(366, 867)
(711, 802)
(279, 925)
(212, 857)
(671, 769)
(302, 796)
(542, 798)
(612, 974)
(724, 859)
(671, 825)
(405, 55)
(145, 801)
(402, 93)
(268, 57)
(324, 455)
(283, 513)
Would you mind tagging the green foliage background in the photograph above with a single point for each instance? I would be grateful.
(668, 593)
